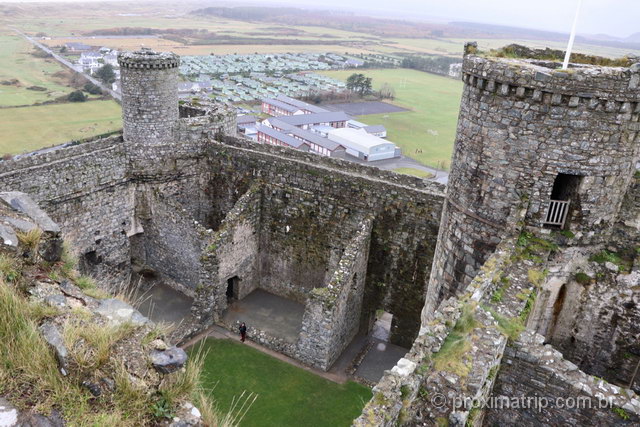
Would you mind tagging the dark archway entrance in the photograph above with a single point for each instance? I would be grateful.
(557, 309)
(232, 288)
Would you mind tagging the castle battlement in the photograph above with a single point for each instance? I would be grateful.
(148, 59)
(612, 88)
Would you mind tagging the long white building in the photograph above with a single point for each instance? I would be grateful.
(363, 145)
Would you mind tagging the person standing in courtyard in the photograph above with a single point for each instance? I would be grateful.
(243, 331)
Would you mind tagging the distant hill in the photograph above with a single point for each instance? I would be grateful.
(633, 38)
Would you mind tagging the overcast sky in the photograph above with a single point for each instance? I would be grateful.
(614, 17)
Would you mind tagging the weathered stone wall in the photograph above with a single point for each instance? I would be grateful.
(332, 313)
(302, 238)
(168, 242)
(595, 321)
(85, 189)
(149, 101)
(531, 370)
(320, 199)
(521, 124)
(405, 394)
(233, 251)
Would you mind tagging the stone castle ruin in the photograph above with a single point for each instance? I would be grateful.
(521, 278)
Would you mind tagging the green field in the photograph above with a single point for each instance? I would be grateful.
(24, 129)
(18, 63)
(434, 102)
(414, 172)
(287, 395)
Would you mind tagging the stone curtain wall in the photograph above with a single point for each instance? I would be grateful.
(522, 123)
(406, 214)
(596, 324)
(531, 369)
(85, 189)
(332, 313)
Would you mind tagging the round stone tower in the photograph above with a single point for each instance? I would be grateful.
(149, 100)
(561, 145)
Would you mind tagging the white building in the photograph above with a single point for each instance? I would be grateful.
(363, 145)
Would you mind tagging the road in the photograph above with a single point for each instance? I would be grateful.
(105, 88)
(404, 162)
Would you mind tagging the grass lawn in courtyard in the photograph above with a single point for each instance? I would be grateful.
(287, 395)
(427, 132)
(24, 129)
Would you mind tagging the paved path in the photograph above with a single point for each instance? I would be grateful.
(404, 162)
(68, 64)
(276, 316)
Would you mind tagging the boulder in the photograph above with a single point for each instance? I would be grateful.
(119, 312)
(169, 360)
(21, 202)
(8, 237)
(54, 338)
(8, 413)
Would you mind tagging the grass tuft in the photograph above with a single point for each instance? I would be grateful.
(85, 282)
(30, 239)
(451, 356)
(582, 278)
(9, 268)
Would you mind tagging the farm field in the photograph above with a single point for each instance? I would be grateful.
(24, 129)
(21, 70)
(286, 395)
(433, 102)
(161, 44)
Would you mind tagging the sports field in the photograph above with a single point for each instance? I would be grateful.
(25, 129)
(426, 132)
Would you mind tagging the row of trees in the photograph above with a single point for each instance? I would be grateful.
(430, 64)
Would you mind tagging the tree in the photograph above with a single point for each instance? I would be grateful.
(360, 84)
(106, 73)
(77, 96)
(92, 89)
(387, 92)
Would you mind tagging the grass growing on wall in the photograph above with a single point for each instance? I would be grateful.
(286, 395)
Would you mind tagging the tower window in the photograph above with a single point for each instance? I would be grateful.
(565, 187)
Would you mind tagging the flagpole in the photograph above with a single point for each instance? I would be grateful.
(567, 56)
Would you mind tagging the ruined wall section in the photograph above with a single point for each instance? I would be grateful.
(168, 242)
(331, 318)
(406, 211)
(532, 369)
(521, 124)
(590, 312)
(85, 189)
(302, 238)
(403, 394)
(232, 250)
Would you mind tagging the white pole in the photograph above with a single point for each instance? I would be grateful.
(565, 65)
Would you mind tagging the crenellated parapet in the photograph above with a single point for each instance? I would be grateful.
(611, 88)
(148, 59)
